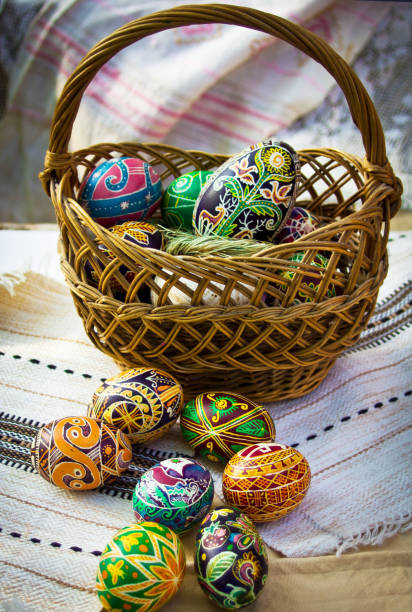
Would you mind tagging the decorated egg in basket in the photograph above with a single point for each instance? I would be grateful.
(177, 492)
(266, 480)
(219, 424)
(251, 195)
(231, 561)
(311, 280)
(299, 223)
(141, 568)
(140, 233)
(211, 295)
(180, 197)
(80, 453)
(142, 402)
(124, 189)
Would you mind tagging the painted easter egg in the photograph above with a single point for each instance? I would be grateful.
(250, 195)
(299, 223)
(177, 492)
(210, 295)
(141, 568)
(180, 197)
(266, 480)
(80, 453)
(124, 189)
(142, 402)
(310, 280)
(231, 561)
(219, 424)
(139, 233)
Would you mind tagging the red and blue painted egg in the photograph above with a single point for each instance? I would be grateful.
(299, 223)
(251, 195)
(124, 189)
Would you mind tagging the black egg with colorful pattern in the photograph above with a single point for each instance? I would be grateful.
(137, 233)
(231, 561)
(251, 195)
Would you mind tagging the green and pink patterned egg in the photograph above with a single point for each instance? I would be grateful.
(80, 453)
(141, 568)
(310, 280)
(251, 195)
(219, 424)
(177, 492)
(142, 402)
(299, 223)
(180, 197)
(231, 561)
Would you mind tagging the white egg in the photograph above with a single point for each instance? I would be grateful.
(210, 296)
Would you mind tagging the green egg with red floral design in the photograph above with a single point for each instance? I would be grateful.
(218, 424)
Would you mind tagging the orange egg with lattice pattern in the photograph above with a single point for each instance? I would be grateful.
(266, 480)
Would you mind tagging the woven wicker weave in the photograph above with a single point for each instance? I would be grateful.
(265, 352)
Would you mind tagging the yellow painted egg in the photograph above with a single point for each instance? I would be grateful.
(266, 480)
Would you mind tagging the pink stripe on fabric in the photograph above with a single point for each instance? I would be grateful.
(46, 58)
(363, 16)
(204, 110)
(211, 125)
(293, 73)
(111, 72)
(104, 85)
(92, 94)
(241, 107)
(31, 114)
(126, 118)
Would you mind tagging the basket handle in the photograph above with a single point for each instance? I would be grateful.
(361, 106)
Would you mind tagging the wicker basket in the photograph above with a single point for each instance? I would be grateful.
(264, 352)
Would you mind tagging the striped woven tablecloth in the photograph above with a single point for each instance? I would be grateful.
(355, 431)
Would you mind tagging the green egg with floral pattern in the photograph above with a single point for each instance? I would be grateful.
(231, 562)
(219, 424)
(141, 568)
(180, 197)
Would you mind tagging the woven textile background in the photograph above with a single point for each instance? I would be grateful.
(211, 87)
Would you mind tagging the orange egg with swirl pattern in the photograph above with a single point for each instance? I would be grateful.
(80, 453)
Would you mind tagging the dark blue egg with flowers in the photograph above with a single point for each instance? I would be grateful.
(231, 560)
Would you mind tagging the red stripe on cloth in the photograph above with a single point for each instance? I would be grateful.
(53, 61)
(241, 107)
(111, 72)
(211, 125)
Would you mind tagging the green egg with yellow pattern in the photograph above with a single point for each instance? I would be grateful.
(180, 197)
(141, 568)
(218, 424)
